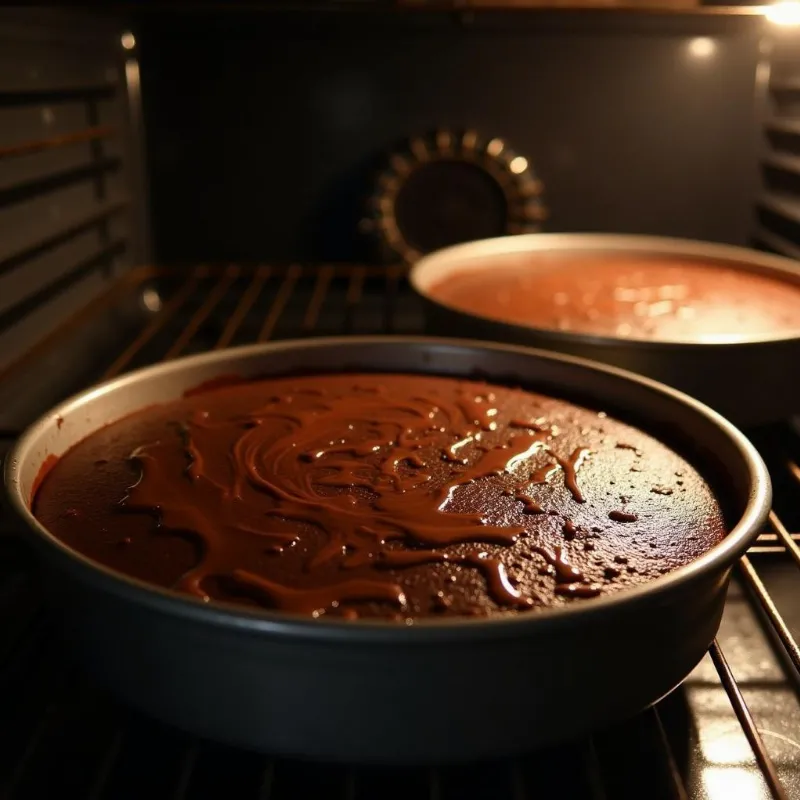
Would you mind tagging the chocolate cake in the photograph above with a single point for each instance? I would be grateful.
(651, 297)
(398, 496)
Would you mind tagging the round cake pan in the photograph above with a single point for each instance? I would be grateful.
(379, 691)
(751, 382)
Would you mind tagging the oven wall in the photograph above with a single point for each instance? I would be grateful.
(66, 173)
(265, 129)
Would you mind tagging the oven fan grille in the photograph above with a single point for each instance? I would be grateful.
(61, 736)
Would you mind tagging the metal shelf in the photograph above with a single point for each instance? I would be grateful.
(734, 723)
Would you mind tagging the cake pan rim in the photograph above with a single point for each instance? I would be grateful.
(266, 622)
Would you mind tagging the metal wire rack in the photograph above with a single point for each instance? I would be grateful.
(731, 731)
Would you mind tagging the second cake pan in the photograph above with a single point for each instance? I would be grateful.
(751, 381)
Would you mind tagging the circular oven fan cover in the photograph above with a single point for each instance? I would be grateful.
(448, 188)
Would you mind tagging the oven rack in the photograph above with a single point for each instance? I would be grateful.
(732, 730)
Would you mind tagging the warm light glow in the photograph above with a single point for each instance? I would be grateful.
(151, 300)
(132, 74)
(702, 47)
(128, 40)
(469, 140)
(784, 13)
(495, 147)
(732, 783)
(518, 165)
(723, 744)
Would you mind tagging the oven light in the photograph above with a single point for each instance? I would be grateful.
(702, 47)
(128, 40)
(151, 300)
(518, 165)
(783, 13)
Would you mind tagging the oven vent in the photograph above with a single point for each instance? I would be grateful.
(778, 212)
(63, 198)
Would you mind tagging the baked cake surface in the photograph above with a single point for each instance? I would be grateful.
(650, 297)
(400, 496)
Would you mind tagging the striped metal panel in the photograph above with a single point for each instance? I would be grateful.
(778, 208)
(65, 227)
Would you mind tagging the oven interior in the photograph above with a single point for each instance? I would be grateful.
(176, 182)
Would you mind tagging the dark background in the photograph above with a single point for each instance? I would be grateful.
(264, 130)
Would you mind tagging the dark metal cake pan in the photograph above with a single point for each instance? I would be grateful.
(379, 691)
(750, 381)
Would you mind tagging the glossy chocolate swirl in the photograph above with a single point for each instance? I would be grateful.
(390, 495)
